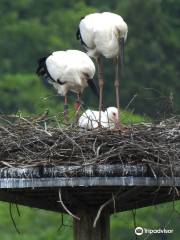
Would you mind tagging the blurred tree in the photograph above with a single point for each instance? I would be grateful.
(152, 56)
(31, 29)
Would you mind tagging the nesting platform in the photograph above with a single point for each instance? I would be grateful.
(127, 186)
(87, 191)
(89, 174)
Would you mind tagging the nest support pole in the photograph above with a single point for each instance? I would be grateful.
(83, 228)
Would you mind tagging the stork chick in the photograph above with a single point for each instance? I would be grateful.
(90, 119)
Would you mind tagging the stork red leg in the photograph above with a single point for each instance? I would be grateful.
(78, 105)
(101, 85)
(65, 109)
(116, 84)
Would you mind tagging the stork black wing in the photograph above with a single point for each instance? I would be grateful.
(41, 69)
(78, 34)
(43, 72)
(79, 37)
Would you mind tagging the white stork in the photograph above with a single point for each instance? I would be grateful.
(90, 119)
(70, 70)
(104, 34)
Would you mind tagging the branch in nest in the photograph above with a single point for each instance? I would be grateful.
(28, 143)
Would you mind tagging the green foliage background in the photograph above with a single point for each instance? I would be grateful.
(31, 29)
(36, 224)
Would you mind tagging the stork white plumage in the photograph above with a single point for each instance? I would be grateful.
(104, 34)
(90, 119)
(70, 70)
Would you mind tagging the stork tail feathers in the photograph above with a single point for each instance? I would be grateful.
(78, 34)
(79, 37)
(41, 70)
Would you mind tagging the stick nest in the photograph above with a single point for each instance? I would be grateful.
(29, 143)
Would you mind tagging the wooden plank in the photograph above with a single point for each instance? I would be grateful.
(108, 170)
(75, 171)
(87, 182)
(20, 198)
(84, 230)
(149, 201)
(128, 198)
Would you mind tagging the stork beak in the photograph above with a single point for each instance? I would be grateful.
(121, 44)
(117, 124)
(93, 87)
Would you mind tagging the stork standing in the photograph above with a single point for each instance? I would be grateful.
(104, 34)
(90, 119)
(70, 70)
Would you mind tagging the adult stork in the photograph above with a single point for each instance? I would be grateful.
(70, 70)
(90, 119)
(104, 34)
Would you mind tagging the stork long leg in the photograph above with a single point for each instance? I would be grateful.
(116, 84)
(101, 85)
(78, 106)
(118, 75)
(65, 109)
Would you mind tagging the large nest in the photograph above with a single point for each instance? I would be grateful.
(24, 143)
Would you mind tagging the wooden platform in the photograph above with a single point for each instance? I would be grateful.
(84, 189)
(130, 186)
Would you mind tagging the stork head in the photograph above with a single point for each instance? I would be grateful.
(112, 115)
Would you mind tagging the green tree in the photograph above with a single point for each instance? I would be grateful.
(31, 29)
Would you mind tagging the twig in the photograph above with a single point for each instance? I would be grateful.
(12, 218)
(62, 223)
(64, 206)
(114, 203)
(134, 219)
(102, 207)
(18, 211)
(132, 99)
